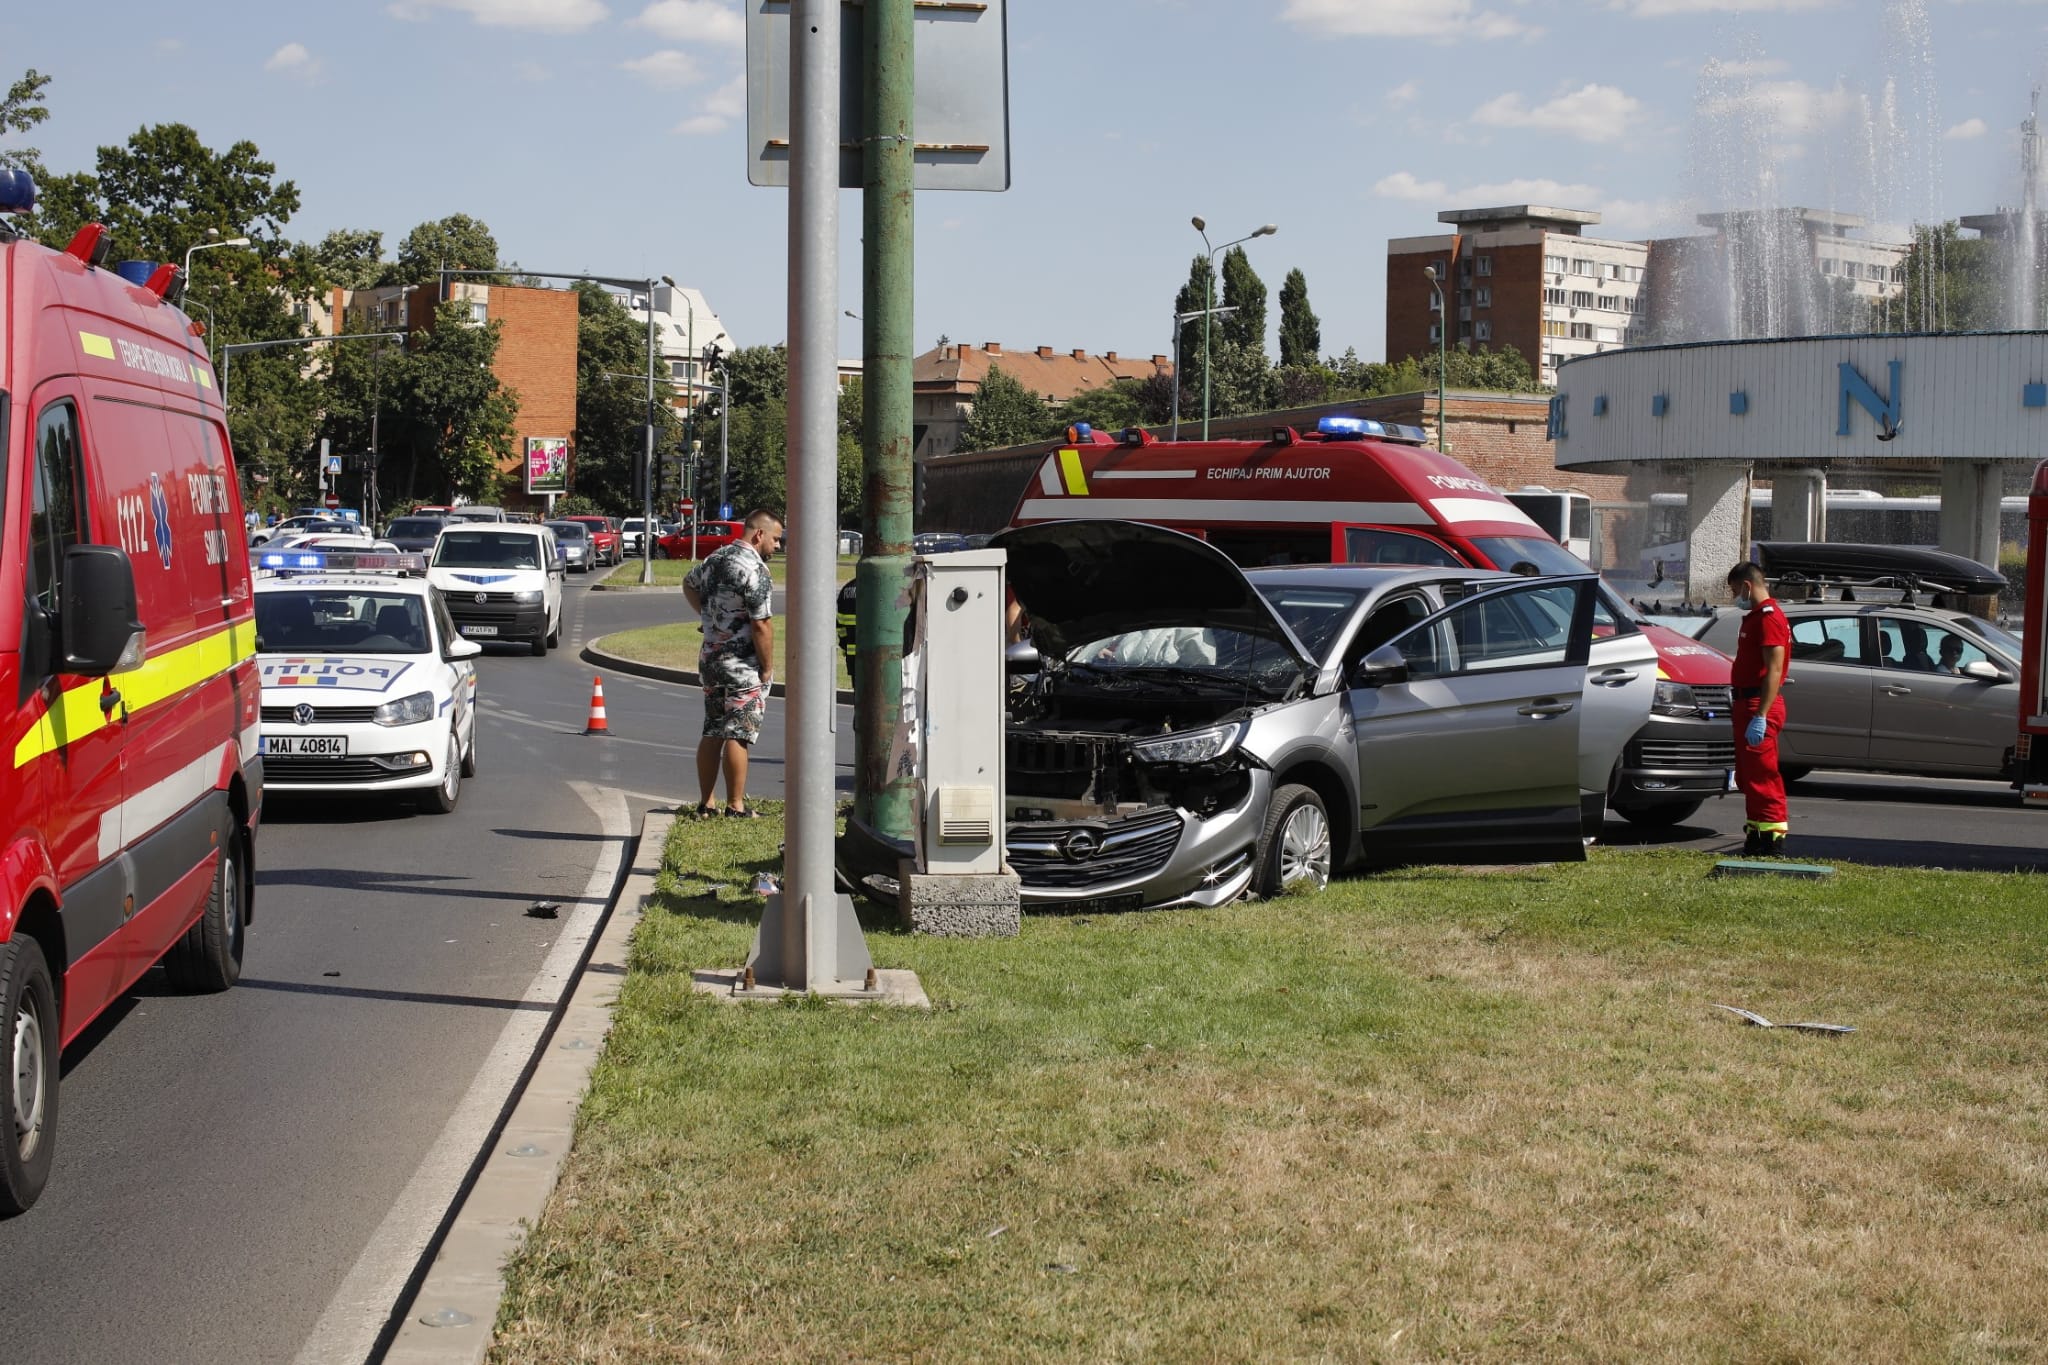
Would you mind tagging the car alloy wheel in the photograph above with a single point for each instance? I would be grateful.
(1305, 847)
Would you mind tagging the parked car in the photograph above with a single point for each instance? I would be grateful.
(604, 537)
(477, 512)
(1195, 731)
(287, 526)
(938, 543)
(415, 534)
(1893, 687)
(684, 542)
(572, 538)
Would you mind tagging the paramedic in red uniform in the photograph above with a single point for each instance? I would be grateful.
(1761, 650)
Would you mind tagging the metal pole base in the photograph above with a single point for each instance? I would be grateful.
(778, 957)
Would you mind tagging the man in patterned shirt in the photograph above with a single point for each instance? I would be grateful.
(731, 592)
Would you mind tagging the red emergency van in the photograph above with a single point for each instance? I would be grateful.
(1366, 492)
(2032, 749)
(128, 679)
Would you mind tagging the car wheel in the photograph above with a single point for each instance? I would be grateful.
(442, 796)
(469, 754)
(1294, 847)
(540, 643)
(1794, 772)
(555, 632)
(1660, 816)
(29, 1051)
(209, 957)
(660, 553)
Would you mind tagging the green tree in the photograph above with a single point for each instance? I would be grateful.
(21, 109)
(758, 373)
(1953, 284)
(1301, 386)
(456, 419)
(760, 467)
(1246, 292)
(1006, 414)
(1301, 331)
(611, 413)
(1114, 406)
(457, 242)
(351, 258)
(1240, 380)
(1197, 294)
(852, 405)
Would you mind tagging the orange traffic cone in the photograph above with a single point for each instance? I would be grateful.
(597, 725)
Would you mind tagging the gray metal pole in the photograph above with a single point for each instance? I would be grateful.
(376, 411)
(647, 500)
(724, 427)
(809, 895)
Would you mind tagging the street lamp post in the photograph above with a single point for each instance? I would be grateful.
(1209, 302)
(1180, 319)
(208, 246)
(1443, 335)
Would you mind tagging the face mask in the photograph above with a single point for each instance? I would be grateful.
(1744, 602)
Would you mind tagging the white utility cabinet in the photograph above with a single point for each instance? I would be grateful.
(960, 648)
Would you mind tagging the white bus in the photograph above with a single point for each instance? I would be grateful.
(1565, 517)
(1855, 516)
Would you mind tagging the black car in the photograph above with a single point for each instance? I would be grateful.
(938, 542)
(416, 534)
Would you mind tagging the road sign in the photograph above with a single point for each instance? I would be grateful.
(962, 114)
(687, 506)
(334, 464)
(333, 500)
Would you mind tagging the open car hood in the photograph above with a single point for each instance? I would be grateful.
(1082, 581)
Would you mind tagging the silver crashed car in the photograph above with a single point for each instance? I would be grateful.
(1194, 731)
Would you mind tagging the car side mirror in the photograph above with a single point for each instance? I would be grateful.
(1985, 671)
(459, 647)
(1022, 657)
(100, 631)
(1381, 668)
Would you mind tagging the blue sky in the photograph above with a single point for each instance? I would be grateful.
(608, 134)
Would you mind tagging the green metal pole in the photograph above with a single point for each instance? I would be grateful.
(1208, 311)
(883, 801)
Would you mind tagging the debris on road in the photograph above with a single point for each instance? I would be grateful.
(1756, 1020)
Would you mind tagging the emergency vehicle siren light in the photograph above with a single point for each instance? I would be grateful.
(17, 190)
(1081, 433)
(1349, 428)
(342, 561)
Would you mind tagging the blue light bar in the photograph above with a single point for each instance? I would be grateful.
(341, 561)
(291, 561)
(17, 190)
(1350, 427)
(1407, 433)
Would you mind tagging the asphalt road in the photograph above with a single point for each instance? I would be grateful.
(245, 1175)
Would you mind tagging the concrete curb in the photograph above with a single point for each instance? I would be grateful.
(595, 654)
(451, 1318)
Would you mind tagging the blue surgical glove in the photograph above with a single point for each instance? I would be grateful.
(1755, 733)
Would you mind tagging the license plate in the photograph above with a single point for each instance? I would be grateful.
(1731, 779)
(479, 630)
(307, 746)
(1104, 905)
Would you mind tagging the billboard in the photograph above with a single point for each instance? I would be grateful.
(547, 464)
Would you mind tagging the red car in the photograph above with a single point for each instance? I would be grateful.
(710, 535)
(604, 537)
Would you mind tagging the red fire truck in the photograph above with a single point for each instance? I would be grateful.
(2032, 749)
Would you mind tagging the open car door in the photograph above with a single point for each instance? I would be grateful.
(1467, 729)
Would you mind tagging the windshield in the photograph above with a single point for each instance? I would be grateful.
(632, 524)
(1315, 615)
(568, 530)
(341, 621)
(1996, 634)
(1196, 656)
(414, 526)
(1546, 556)
(487, 550)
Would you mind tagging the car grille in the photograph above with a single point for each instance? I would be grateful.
(1055, 753)
(1719, 700)
(314, 768)
(1124, 849)
(1688, 753)
(459, 598)
(322, 715)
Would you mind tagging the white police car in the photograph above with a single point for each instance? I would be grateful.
(367, 687)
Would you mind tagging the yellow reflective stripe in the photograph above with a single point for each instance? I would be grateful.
(1070, 470)
(205, 379)
(92, 343)
(77, 713)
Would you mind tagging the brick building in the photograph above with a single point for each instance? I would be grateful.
(1524, 276)
(945, 380)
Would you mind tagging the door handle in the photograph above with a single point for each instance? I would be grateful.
(1546, 707)
(1615, 677)
(1894, 690)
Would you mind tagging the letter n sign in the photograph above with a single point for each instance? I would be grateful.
(1883, 408)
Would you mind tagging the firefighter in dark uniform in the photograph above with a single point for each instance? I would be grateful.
(1763, 649)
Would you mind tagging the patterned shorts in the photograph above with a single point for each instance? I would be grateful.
(734, 708)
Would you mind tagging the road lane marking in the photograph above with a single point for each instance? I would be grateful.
(348, 1330)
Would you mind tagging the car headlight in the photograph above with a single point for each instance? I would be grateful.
(1674, 699)
(527, 595)
(1188, 746)
(406, 710)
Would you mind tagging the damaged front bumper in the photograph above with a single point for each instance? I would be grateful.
(1158, 857)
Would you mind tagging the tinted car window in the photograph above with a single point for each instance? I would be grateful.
(1828, 640)
(1371, 545)
(1547, 555)
(569, 530)
(415, 526)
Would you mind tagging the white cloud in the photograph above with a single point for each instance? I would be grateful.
(1403, 94)
(1658, 9)
(550, 16)
(718, 109)
(1791, 107)
(1624, 215)
(668, 68)
(290, 57)
(1438, 20)
(694, 21)
(1592, 113)
(1967, 129)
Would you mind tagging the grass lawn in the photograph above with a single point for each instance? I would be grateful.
(676, 646)
(668, 573)
(1424, 1115)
